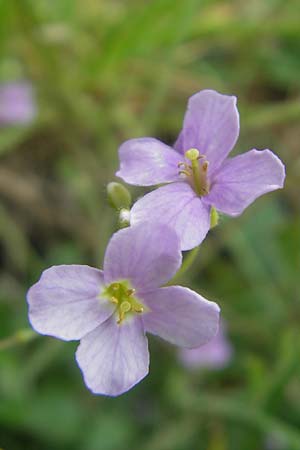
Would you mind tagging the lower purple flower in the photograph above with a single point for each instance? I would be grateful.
(111, 310)
(17, 104)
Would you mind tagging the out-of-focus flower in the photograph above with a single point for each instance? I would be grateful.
(110, 310)
(198, 170)
(216, 354)
(17, 104)
(275, 441)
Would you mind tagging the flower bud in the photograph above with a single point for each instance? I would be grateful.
(214, 217)
(118, 196)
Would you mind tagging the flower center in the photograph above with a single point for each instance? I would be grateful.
(122, 295)
(196, 171)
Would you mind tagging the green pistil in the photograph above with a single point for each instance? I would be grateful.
(198, 171)
(122, 295)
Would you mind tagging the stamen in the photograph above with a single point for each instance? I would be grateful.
(130, 292)
(115, 286)
(122, 295)
(184, 172)
(205, 166)
(198, 171)
(183, 164)
(123, 309)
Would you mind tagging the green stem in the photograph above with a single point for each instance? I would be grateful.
(286, 367)
(187, 262)
(20, 337)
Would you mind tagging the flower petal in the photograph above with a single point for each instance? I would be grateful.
(64, 302)
(147, 161)
(178, 206)
(113, 358)
(147, 254)
(181, 316)
(17, 103)
(216, 354)
(242, 179)
(179, 144)
(211, 124)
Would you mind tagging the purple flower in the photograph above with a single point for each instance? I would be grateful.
(198, 170)
(110, 310)
(17, 105)
(216, 354)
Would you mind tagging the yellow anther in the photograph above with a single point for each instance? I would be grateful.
(192, 154)
(115, 286)
(121, 317)
(130, 292)
(205, 166)
(122, 295)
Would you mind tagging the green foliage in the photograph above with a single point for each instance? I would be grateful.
(105, 71)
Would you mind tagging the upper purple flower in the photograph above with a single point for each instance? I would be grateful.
(110, 310)
(198, 169)
(17, 105)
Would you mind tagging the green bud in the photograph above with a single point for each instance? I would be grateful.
(214, 217)
(25, 335)
(118, 196)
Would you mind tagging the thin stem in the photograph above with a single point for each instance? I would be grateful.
(187, 262)
(287, 365)
(20, 337)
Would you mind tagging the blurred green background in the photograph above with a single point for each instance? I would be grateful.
(104, 71)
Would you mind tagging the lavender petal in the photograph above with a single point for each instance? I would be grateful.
(113, 358)
(17, 105)
(180, 316)
(147, 161)
(242, 179)
(211, 125)
(216, 354)
(147, 254)
(64, 303)
(178, 206)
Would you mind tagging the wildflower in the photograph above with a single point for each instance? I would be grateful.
(16, 103)
(216, 354)
(198, 170)
(110, 310)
